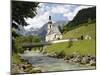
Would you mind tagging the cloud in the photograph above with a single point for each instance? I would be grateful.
(45, 9)
(70, 15)
(59, 10)
(38, 21)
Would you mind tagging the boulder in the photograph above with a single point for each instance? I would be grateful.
(67, 58)
(44, 52)
(85, 60)
(35, 70)
(70, 61)
(67, 61)
(92, 62)
(72, 56)
(93, 58)
(77, 59)
(48, 54)
(15, 69)
(51, 55)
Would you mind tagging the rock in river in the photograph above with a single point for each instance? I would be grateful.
(85, 60)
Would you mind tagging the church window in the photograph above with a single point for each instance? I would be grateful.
(58, 38)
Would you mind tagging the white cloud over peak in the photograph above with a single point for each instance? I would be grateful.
(38, 21)
(45, 10)
(71, 15)
(59, 10)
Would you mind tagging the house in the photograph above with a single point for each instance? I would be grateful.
(88, 37)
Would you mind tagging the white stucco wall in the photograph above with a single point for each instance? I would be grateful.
(52, 37)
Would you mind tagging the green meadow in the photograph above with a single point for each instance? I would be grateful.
(84, 29)
(82, 47)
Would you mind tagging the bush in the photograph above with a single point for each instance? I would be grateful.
(70, 44)
(61, 54)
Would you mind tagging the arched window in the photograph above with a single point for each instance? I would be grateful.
(50, 26)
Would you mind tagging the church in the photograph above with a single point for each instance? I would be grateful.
(53, 32)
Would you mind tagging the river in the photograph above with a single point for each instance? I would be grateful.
(48, 64)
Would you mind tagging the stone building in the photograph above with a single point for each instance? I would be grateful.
(53, 32)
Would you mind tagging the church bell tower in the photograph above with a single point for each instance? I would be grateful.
(49, 25)
(53, 32)
(50, 21)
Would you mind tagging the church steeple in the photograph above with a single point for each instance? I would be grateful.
(50, 21)
(49, 25)
(49, 17)
(52, 34)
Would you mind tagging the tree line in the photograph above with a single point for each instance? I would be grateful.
(20, 12)
(87, 15)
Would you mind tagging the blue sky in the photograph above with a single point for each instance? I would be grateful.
(58, 12)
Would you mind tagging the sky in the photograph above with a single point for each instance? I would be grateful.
(58, 12)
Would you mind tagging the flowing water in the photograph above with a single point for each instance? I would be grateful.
(48, 64)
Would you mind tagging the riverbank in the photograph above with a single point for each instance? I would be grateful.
(74, 58)
(52, 64)
(19, 65)
(37, 62)
(82, 52)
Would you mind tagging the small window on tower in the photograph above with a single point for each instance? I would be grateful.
(50, 26)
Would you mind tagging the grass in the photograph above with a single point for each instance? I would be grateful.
(85, 29)
(15, 59)
(83, 47)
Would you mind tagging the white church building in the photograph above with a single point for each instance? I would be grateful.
(53, 32)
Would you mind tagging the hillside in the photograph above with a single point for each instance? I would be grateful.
(85, 29)
(83, 16)
(83, 47)
(83, 24)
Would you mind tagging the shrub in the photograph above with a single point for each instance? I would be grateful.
(61, 54)
(70, 44)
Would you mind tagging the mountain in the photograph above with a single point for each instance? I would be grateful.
(83, 16)
(32, 31)
(40, 32)
(43, 31)
(61, 23)
(21, 30)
